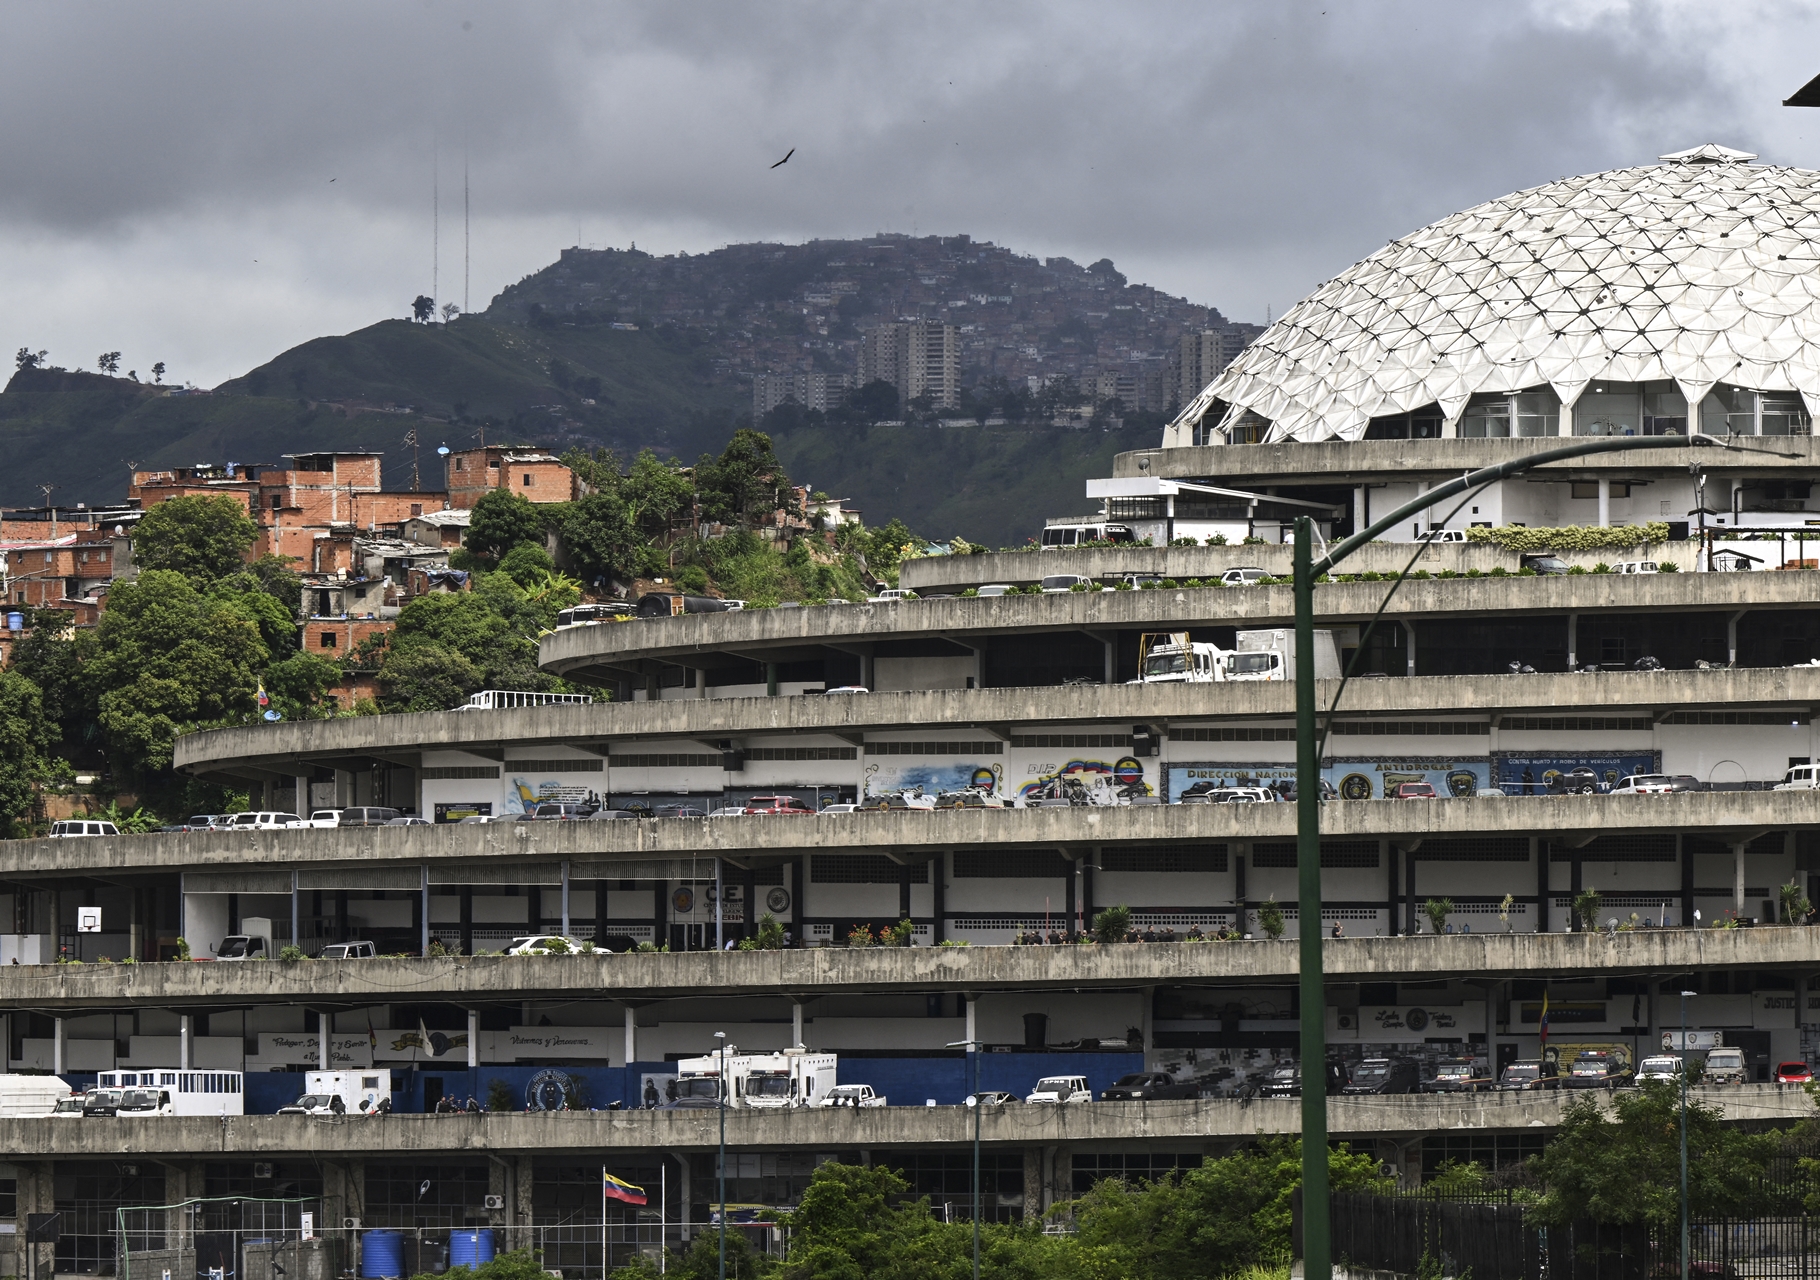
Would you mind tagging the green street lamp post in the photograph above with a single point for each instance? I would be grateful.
(722, 1091)
(1684, 996)
(1317, 1239)
(973, 1051)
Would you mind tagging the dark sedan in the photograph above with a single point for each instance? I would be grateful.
(1148, 1086)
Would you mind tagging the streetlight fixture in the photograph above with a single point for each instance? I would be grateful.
(722, 1092)
(973, 1051)
(1684, 996)
(1317, 1235)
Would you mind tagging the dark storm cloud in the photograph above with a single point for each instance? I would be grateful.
(1238, 153)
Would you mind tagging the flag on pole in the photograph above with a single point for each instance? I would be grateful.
(1542, 1025)
(620, 1189)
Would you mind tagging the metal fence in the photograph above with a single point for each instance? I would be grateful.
(1498, 1241)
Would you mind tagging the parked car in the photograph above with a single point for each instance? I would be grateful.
(892, 595)
(325, 818)
(1529, 1077)
(1725, 1066)
(1061, 1089)
(243, 946)
(846, 688)
(1685, 782)
(1228, 795)
(996, 589)
(71, 828)
(1242, 577)
(1644, 784)
(990, 1098)
(1460, 1075)
(1062, 583)
(1800, 777)
(69, 1108)
(102, 1102)
(1547, 566)
(410, 822)
(842, 806)
(1579, 781)
(1662, 1067)
(1445, 535)
(786, 805)
(611, 815)
(559, 811)
(678, 811)
(542, 944)
(1794, 1073)
(971, 798)
(1383, 1075)
(367, 816)
(315, 1104)
(1598, 1071)
(267, 820)
(1149, 1086)
(729, 811)
(1282, 1082)
(850, 1095)
(1414, 791)
(206, 822)
(1635, 566)
(349, 951)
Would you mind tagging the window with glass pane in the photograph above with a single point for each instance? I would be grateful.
(1486, 417)
(1608, 409)
(1664, 410)
(1538, 413)
(1729, 411)
(1785, 416)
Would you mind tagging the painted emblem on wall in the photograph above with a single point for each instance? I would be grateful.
(683, 900)
(778, 899)
(548, 1090)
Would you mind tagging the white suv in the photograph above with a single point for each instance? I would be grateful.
(75, 827)
(324, 818)
(265, 820)
(1644, 784)
(892, 595)
(1242, 577)
(1061, 1089)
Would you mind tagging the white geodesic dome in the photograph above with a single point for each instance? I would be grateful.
(1701, 269)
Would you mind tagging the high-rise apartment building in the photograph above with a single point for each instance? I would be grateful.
(821, 391)
(915, 357)
(1201, 357)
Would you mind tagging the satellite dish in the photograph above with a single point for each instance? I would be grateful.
(442, 449)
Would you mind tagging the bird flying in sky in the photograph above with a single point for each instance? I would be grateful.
(787, 155)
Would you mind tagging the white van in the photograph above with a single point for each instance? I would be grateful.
(266, 820)
(32, 1095)
(1800, 777)
(1636, 566)
(1061, 1089)
(74, 827)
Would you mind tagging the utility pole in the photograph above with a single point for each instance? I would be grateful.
(410, 438)
(722, 1037)
(1684, 996)
(46, 488)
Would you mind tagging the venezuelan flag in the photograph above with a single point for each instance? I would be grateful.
(620, 1189)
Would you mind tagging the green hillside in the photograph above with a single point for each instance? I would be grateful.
(988, 484)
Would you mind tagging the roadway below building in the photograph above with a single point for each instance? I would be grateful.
(279, 751)
(675, 848)
(1351, 462)
(1125, 1125)
(610, 652)
(810, 973)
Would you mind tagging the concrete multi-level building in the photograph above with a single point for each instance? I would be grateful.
(1525, 701)
(808, 388)
(918, 357)
(1202, 357)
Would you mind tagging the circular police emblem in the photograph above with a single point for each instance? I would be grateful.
(548, 1090)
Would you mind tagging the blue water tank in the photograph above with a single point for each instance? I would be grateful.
(382, 1254)
(15, 621)
(470, 1246)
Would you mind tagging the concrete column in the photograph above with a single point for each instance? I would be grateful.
(57, 1047)
(565, 897)
(701, 682)
(682, 1215)
(473, 1039)
(631, 1035)
(423, 946)
(1538, 857)
(1738, 876)
(1033, 1183)
(325, 1027)
(1573, 641)
(720, 896)
(972, 1020)
(796, 1024)
(296, 915)
(521, 1200)
(1409, 631)
(185, 1043)
(1731, 637)
(770, 679)
(1148, 995)
(1604, 504)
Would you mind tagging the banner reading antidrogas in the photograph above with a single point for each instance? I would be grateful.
(1377, 778)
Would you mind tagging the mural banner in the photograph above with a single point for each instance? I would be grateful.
(1534, 773)
(1376, 778)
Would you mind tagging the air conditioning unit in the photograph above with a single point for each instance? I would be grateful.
(350, 1224)
(262, 1170)
(1348, 1022)
(496, 1202)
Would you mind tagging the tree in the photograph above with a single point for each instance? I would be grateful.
(601, 539)
(1437, 910)
(158, 372)
(659, 496)
(27, 733)
(1624, 1166)
(26, 358)
(202, 537)
(167, 659)
(108, 362)
(448, 646)
(500, 521)
(423, 308)
(299, 686)
(877, 401)
(746, 483)
(449, 311)
(1110, 925)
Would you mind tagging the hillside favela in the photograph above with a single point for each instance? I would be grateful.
(1328, 794)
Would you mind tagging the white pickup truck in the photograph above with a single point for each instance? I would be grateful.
(851, 1095)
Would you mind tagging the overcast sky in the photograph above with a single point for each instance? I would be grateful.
(209, 183)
